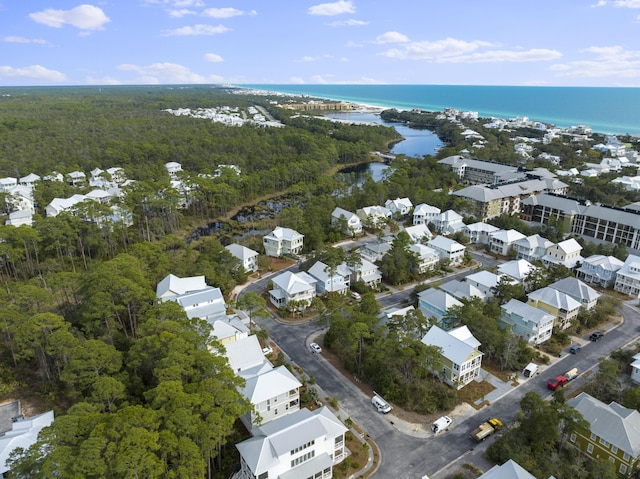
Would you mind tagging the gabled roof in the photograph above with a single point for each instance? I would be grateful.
(534, 241)
(294, 283)
(320, 271)
(450, 216)
(22, 435)
(554, 298)
(632, 261)
(517, 269)
(423, 251)
(173, 285)
(507, 236)
(457, 345)
(445, 244)
(569, 246)
(438, 298)
(613, 423)
(461, 289)
(481, 227)
(535, 315)
(241, 252)
(608, 263)
(338, 212)
(286, 234)
(269, 385)
(576, 289)
(244, 353)
(509, 470)
(417, 232)
(485, 278)
(425, 209)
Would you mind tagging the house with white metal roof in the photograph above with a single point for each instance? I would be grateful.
(23, 435)
(299, 445)
(418, 233)
(479, 233)
(229, 329)
(19, 218)
(352, 223)
(560, 305)
(428, 258)
(173, 285)
(367, 272)
(374, 216)
(7, 184)
(532, 248)
(485, 281)
(425, 214)
(448, 249)
(461, 358)
(628, 277)
(635, 368)
(76, 178)
(374, 251)
(289, 286)
(517, 269)
(30, 180)
(448, 222)
(501, 241)
(599, 269)
(581, 292)
(273, 394)
(435, 302)
(283, 241)
(532, 324)
(173, 168)
(399, 206)
(508, 470)
(247, 256)
(613, 433)
(245, 356)
(461, 290)
(338, 282)
(566, 253)
(206, 304)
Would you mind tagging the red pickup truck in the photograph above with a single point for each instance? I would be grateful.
(557, 382)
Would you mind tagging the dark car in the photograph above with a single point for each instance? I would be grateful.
(574, 349)
(596, 335)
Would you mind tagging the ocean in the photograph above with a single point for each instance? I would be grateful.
(605, 110)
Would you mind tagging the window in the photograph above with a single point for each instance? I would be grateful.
(623, 469)
(590, 448)
(573, 437)
(614, 449)
(593, 437)
(626, 456)
(611, 459)
(604, 443)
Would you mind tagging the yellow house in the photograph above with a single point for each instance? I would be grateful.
(560, 305)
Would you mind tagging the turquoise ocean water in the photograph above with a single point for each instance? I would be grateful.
(605, 110)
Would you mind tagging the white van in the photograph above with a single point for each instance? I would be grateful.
(380, 404)
(356, 296)
(530, 370)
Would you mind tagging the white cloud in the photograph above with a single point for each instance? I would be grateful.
(35, 72)
(322, 78)
(308, 59)
(167, 73)
(348, 23)
(213, 58)
(392, 37)
(601, 3)
(335, 8)
(296, 80)
(627, 3)
(226, 12)
(38, 41)
(425, 50)
(498, 56)
(175, 3)
(181, 13)
(84, 17)
(197, 30)
(611, 61)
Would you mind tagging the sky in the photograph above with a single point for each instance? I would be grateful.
(456, 42)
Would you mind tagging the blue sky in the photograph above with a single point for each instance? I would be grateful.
(490, 42)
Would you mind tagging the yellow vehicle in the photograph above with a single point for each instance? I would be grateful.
(485, 429)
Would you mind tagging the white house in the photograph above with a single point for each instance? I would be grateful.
(461, 290)
(628, 277)
(172, 286)
(19, 218)
(247, 256)
(229, 329)
(635, 369)
(449, 222)
(303, 444)
(76, 178)
(374, 216)
(501, 241)
(532, 247)
(418, 233)
(479, 233)
(428, 258)
(566, 253)
(173, 168)
(273, 394)
(399, 206)
(206, 304)
(367, 272)
(30, 180)
(20, 198)
(283, 241)
(461, 358)
(425, 214)
(485, 281)
(599, 269)
(448, 249)
(352, 225)
(23, 434)
(58, 205)
(518, 269)
(245, 356)
(290, 286)
(7, 184)
(374, 251)
(338, 282)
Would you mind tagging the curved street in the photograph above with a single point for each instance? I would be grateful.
(403, 454)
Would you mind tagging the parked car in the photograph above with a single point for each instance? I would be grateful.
(596, 335)
(441, 424)
(267, 350)
(574, 349)
(557, 382)
(356, 296)
(380, 404)
(315, 348)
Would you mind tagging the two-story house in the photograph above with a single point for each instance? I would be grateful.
(599, 269)
(425, 214)
(560, 305)
(448, 249)
(518, 269)
(613, 433)
(532, 248)
(628, 277)
(485, 281)
(501, 241)
(532, 324)
(289, 286)
(283, 241)
(418, 233)
(348, 221)
(328, 281)
(434, 302)
(461, 358)
(479, 233)
(581, 292)
(367, 272)
(566, 253)
(374, 216)
(303, 444)
(374, 251)
(428, 258)
(399, 207)
(247, 256)
(449, 222)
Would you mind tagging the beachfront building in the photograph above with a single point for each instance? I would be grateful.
(461, 356)
(532, 324)
(283, 241)
(628, 277)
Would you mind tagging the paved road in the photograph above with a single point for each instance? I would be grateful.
(406, 456)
